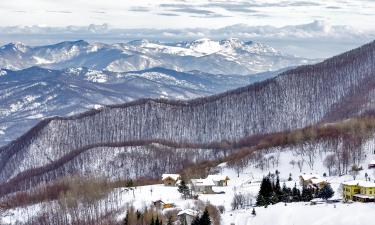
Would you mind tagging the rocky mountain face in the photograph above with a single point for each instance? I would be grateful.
(230, 56)
(338, 88)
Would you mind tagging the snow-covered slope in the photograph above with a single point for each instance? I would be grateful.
(231, 56)
(336, 89)
(30, 95)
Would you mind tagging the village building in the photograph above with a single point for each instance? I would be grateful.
(371, 165)
(158, 203)
(170, 179)
(203, 186)
(312, 181)
(187, 216)
(357, 190)
(219, 180)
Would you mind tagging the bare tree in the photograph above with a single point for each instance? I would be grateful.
(329, 162)
(300, 165)
(354, 171)
(293, 163)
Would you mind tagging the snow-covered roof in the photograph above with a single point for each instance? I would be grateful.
(372, 162)
(190, 212)
(309, 176)
(218, 177)
(363, 196)
(317, 180)
(202, 182)
(360, 183)
(173, 176)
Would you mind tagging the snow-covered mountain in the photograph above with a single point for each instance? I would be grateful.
(231, 56)
(29, 95)
(339, 88)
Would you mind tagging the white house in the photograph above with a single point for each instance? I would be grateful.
(202, 185)
(219, 180)
(187, 216)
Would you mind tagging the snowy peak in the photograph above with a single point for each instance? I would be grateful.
(205, 46)
(232, 43)
(230, 56)
(15, 47)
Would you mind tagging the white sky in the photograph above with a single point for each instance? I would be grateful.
(186, 13)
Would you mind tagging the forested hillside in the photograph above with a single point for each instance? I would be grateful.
(295, 99)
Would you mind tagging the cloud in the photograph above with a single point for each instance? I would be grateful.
(168, 14)
(99, 12)
(58, 11)
(232, 6)
(192, 10)
(139, 9)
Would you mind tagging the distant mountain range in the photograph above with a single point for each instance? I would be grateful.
(29, 95)
(73, 76)
(231, 56)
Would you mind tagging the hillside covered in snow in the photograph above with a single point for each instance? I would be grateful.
(336, 89)
(30, 95)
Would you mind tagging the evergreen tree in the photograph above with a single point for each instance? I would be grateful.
(260, 200)
(286, 193)
(278, 190)
(196, 221)
(307, 194)
(265, 193)
(184, 189)
(253, 212)
(326, 192)
(205, 219)
(296, 194)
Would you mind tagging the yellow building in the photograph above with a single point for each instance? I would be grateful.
(357, 190)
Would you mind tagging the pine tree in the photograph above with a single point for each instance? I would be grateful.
(296, 194)
(307, 194)
(278, 191)
(326, 192)
(265, 193)
(286, 193)
(260, 200)
(205, 219)
(196, 221)
(184, 189)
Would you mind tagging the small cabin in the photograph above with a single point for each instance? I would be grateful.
(219, 180)
(187, 216)
(170, 179)
(203, 186)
